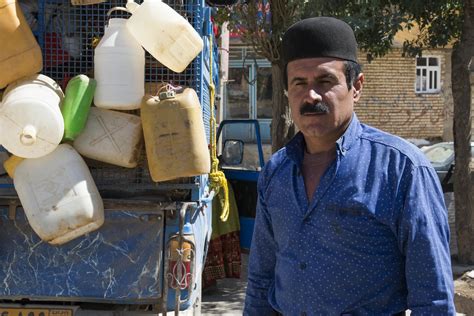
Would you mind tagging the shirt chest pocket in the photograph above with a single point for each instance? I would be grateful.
(351, 217)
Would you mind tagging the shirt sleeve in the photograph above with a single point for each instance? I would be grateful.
(261, 262)
(424, 240)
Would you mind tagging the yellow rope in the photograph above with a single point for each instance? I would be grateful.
(217, 177)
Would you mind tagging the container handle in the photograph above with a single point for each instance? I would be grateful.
(28, 135)
(131, 6)
(117, 9)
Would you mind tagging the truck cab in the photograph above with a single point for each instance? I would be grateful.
(242, 157)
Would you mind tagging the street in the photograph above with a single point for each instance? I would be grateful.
(229, 295)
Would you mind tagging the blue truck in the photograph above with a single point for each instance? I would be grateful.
(148, 256)
(242, 156)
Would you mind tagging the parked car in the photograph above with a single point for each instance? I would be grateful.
(441, 156)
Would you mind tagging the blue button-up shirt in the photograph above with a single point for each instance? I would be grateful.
(374, 240)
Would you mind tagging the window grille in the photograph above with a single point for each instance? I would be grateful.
(428, 75)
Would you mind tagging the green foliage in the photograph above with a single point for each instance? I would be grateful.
(439, 24)
(375, 22)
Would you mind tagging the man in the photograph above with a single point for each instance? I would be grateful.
(350, 220)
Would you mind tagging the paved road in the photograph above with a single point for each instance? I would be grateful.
(229, 295)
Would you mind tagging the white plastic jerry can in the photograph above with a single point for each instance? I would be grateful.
(112, 137)
(31, 123)
(59, 196)
(164, 33)
(119, 68)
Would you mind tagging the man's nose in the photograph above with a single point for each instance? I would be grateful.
(312, 96)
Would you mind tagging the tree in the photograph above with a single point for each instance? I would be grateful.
(463, 187)
(440, 23)
(262, 23)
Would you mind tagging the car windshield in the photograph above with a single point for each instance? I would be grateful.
(440, 154)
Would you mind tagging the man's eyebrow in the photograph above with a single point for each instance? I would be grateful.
(326, 76)
(297, 79)
(322, 76)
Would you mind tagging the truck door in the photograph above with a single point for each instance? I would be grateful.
(241, 158)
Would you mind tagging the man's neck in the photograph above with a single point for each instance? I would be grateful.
(314, 146)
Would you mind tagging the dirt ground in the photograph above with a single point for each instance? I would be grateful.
(464, 289)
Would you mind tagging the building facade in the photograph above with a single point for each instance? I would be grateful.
(409, 97)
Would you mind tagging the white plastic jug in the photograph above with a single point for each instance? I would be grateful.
(119, 68)
(59, 196)
(31, 123)
(164, 33)
(112, 137)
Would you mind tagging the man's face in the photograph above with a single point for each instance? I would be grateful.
(321, 103)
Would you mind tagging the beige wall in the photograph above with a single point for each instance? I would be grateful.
(389, 101)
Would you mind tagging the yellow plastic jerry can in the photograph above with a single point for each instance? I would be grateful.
(20, 54)
(175, 139)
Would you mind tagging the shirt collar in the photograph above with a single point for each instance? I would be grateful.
(295, 147)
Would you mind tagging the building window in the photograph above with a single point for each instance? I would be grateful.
(428, 74)
(238, 93)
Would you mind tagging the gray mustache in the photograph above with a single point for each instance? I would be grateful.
(319, 107)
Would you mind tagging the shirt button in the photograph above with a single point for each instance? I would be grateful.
(303, 313)
(306, 220)
(302, 265)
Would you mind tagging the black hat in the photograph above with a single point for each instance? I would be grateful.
(319, 37)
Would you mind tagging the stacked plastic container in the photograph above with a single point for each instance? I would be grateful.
(171, 132)
(47, 131)
(52, 181)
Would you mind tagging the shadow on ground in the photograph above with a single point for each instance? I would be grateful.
(228, 297)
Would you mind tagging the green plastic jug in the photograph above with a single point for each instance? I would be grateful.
(77, 102)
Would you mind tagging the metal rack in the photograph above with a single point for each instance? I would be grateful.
(67, 35)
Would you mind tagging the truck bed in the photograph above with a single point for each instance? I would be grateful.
(119, 263)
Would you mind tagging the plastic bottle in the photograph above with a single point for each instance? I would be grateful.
(20, 54)
(31, 123)
(112, 137)
(10, 165)
(175, 139)
(119, 68)
(75, 107)
(59, 196)
(164, 33)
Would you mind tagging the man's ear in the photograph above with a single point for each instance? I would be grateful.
(357, 87)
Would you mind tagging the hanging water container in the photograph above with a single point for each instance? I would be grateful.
(119, 68)
(10, 165)
(31, 123)
(175, 139)
(164, 33)
(59, 196)
(112, 137)
(76, 105)
(20, 54)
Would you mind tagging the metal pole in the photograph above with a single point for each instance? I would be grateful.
(223, 75)
(182, 216)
